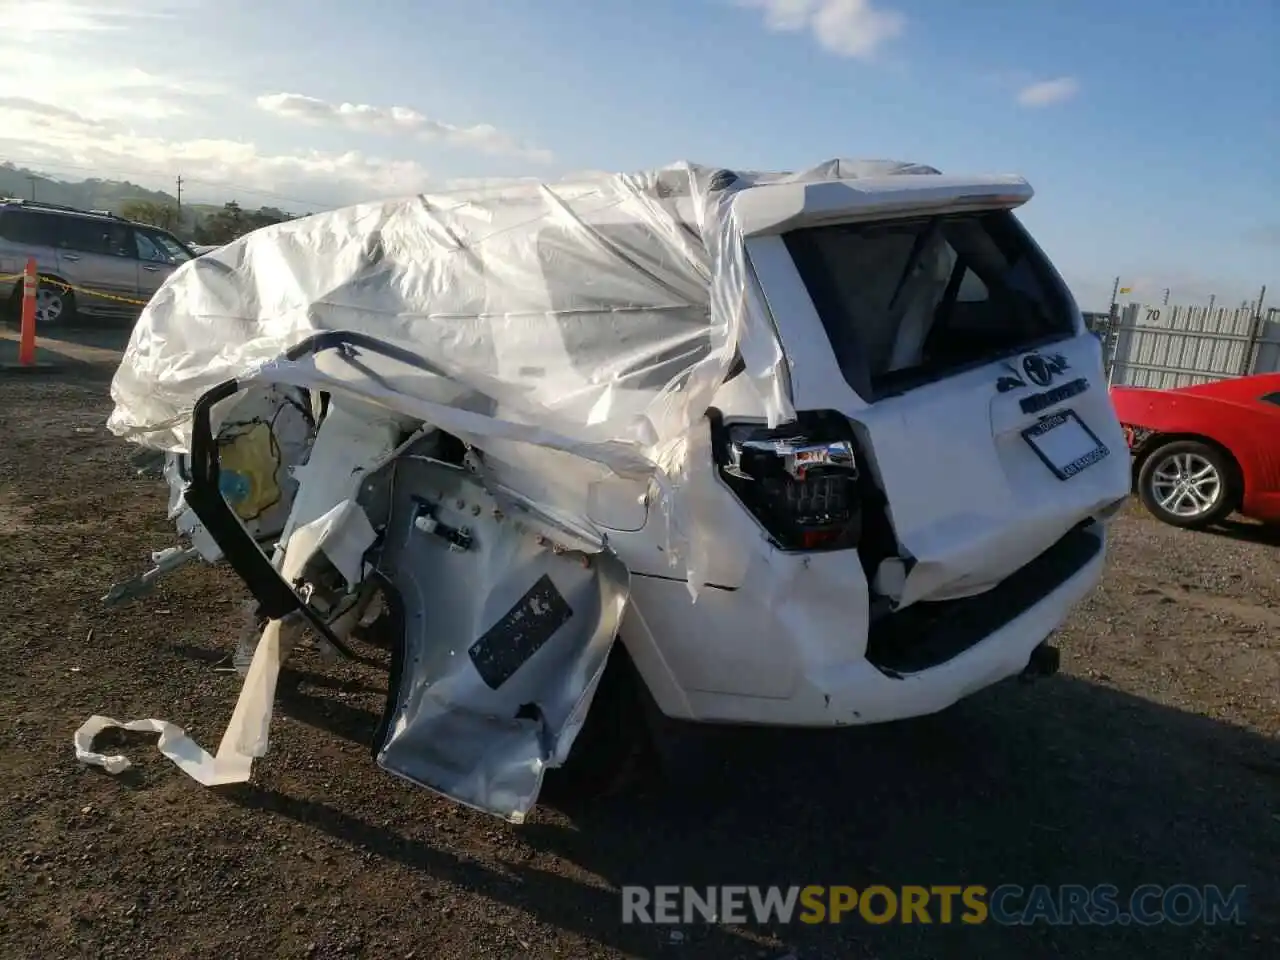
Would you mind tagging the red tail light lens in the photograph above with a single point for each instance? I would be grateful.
(800, 481)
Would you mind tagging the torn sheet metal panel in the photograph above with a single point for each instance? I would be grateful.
(505, 636)
(352, 440)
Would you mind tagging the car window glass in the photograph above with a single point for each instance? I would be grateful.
(170, 247)
(972, 289)
(905, 302)
(97, 236)
(119, 240)
(149, 249)
(24, 226)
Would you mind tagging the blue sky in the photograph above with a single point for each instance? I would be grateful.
(1151, 131)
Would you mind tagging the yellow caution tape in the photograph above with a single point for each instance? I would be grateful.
(85, 290)
(102, 296)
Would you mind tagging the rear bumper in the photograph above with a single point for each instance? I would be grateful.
(868, 689)
(1003, 653)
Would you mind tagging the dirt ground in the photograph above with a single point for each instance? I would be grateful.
(1153, 758)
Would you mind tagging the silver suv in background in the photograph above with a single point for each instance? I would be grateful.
(91, 263)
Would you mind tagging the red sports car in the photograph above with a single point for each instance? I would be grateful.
(1202, 452)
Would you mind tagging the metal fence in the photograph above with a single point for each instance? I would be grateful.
(1163, 346)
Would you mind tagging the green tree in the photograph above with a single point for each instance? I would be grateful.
(232, 222)
(160, 215)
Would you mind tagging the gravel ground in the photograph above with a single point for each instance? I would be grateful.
(1153, 757)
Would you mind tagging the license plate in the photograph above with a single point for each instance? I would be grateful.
(1065, 444)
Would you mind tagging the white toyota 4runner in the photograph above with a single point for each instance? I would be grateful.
(816, 449)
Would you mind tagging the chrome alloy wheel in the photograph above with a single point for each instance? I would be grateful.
(1186, 485)
(50, 304)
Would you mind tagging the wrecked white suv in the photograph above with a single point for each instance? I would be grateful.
(815, 449)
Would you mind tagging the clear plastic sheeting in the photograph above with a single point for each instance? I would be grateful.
(605, 310)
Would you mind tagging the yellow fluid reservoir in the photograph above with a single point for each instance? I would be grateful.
(248, 463)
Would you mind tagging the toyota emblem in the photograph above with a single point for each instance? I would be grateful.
(1037, 370)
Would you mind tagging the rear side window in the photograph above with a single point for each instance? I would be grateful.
(905, 302)
(26, 226)
(98, 236)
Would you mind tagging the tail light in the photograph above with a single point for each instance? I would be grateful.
(800, 481)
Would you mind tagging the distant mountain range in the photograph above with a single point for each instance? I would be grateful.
(95, 194)
(90, 194)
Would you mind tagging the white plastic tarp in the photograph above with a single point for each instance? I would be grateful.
(596, 315)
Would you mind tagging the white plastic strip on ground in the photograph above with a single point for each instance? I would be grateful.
(344, 534)
(245, 737)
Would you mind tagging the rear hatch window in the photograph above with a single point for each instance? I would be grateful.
(907, 302)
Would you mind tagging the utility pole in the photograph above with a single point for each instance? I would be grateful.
(33, 186)
(1212, 298)
(179, 223)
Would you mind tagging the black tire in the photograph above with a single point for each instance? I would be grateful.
(687, 761)
(13, 306)
(612, 749)
(1190, 458)
(629, 748)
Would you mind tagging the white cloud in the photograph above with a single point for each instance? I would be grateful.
(849, 28)
(38, 112)
(364, 118)
(1048, 92)
(82, 56)
(87, 106)
(43, 20)
(32, 133)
